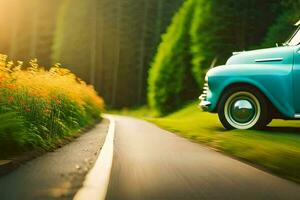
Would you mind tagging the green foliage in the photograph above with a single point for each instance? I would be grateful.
(283, 27)
(11, 132)
(27, 29)
(111, 43)
(170, 79)
(73, 37)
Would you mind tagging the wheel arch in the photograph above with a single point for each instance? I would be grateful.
(276, 112)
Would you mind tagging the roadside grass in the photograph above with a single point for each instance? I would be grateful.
(276, 149)
(41, 108)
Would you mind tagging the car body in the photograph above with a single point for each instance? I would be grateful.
(271, 75)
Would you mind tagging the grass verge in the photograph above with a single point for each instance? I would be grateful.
(39, 108)
(276, 149)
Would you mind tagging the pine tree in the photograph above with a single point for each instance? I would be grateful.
(136, 49)
(74, 37)
(7, 24)
(44, 30)
(28, 29)
(22, 26)
(118, 50)
(108, 49)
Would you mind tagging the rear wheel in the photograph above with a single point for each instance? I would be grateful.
(243, 107)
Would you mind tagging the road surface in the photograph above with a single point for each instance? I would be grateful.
(150, 163)
(55, 175)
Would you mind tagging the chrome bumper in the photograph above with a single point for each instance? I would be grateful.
(204, 104)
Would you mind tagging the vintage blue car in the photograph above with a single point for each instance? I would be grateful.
(254, 87)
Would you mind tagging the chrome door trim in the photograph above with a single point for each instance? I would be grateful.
(268, 59)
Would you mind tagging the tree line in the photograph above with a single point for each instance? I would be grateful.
(108, 43)
(27, 29)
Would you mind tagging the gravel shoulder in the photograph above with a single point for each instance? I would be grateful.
(58, 174)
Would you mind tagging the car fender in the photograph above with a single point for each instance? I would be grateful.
(275, 82)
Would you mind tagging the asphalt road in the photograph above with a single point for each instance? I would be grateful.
(58, 174)
(150, 163)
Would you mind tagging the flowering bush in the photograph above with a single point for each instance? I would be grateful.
(42, 105)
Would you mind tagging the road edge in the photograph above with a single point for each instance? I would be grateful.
(95, 185)
(12, 163)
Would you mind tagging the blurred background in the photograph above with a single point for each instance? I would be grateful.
(134, 49)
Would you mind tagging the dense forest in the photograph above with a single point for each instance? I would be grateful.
(112, 44)
(107, 43)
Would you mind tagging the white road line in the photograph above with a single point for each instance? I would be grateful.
(96, 182)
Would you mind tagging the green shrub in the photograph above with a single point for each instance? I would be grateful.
(11, 133)
(170, 78)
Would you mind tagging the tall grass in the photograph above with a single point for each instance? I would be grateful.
(39, 106)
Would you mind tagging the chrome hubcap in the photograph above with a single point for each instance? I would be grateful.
(242, 110)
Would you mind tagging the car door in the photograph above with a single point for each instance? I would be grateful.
(296, 80)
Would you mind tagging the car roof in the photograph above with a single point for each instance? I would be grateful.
(298, 23)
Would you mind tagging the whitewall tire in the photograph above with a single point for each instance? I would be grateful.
(243, 107)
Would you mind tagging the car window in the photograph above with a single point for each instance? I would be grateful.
(295, 40)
